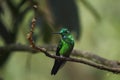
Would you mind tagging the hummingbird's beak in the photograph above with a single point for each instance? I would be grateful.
(56, 33)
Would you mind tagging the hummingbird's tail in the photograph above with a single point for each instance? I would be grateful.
(56, 66)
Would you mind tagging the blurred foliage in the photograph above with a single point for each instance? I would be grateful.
(13, 13)
(65, 13)
(11, 18)
(101, 37)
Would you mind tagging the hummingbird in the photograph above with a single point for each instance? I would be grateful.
(64, 48)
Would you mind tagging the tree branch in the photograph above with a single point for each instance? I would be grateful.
(87, 58)
(75, 53)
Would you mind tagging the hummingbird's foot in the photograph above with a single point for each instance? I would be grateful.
(61, 55)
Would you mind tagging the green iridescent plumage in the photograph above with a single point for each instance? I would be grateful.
(64, 48)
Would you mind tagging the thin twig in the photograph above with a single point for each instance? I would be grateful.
(114, 69)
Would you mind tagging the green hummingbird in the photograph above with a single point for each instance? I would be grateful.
(64, 48)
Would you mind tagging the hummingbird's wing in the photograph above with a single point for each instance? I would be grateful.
(59, 47)
(57, 63)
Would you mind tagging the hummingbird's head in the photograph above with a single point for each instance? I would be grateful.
(64, 32)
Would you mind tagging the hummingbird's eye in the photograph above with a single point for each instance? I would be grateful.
(64, 31)
(67, 32)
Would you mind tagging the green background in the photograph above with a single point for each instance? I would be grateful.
(100, 37)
